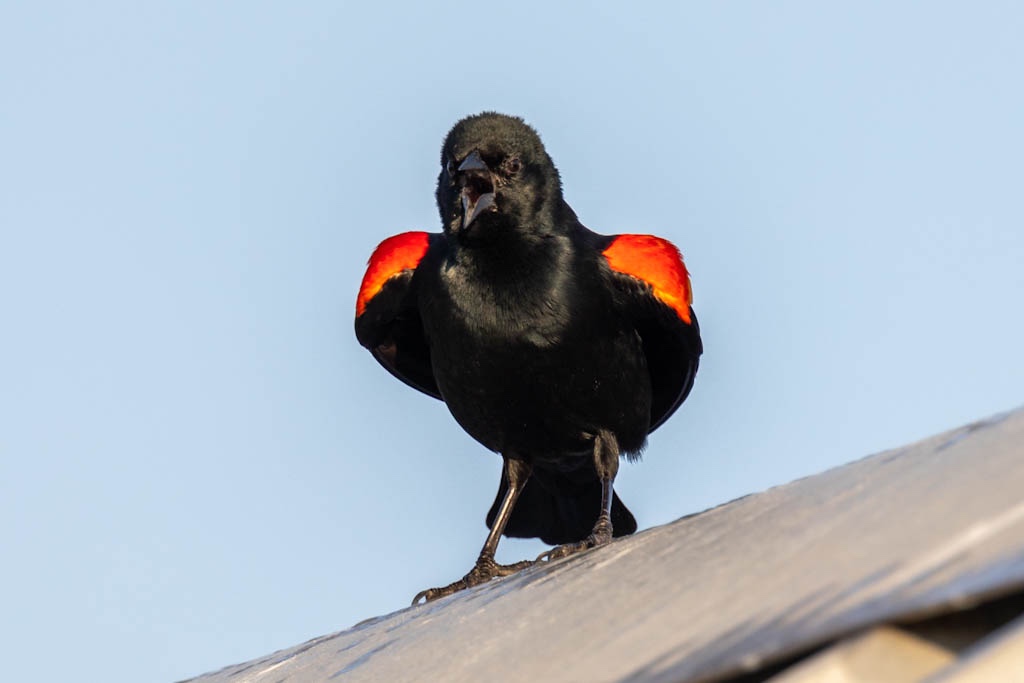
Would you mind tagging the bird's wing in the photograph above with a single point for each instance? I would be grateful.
(387, 318)
(652, 289)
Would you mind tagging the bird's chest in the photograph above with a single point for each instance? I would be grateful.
(483, 329)
(524, 367)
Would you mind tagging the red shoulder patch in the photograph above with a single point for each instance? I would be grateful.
(658, 263)
(393, 256)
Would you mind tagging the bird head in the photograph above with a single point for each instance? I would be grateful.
(496, 177)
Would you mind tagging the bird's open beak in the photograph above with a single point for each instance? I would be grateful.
(477, 188)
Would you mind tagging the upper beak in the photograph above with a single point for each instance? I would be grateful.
(474, 162)
(477, 188)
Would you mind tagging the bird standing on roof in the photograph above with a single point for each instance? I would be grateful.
(557, 347)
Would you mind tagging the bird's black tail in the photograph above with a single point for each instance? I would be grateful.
(558, 508)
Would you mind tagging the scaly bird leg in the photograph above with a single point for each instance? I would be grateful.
(606, 461)
(485, 569)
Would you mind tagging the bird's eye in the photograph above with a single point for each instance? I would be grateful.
(514, 165)
(450, 167)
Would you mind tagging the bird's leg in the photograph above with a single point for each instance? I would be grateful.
(606, 461)
(516, 473)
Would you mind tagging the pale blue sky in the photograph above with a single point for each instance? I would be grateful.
(199, 465)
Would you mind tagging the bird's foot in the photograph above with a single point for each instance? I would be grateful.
(601, 535)
(484, 570)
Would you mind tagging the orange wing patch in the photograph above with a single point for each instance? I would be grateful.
(658, 263)
(393, 256)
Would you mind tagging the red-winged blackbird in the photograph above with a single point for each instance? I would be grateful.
(557, 347)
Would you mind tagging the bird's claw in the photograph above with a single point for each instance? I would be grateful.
(564, 550)
(601, 535)
(431, 594)
(484, 570)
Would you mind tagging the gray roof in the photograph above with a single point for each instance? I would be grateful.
(899, 537)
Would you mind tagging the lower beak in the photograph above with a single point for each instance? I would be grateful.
(471, 208)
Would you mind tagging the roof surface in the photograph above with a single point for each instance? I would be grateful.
(924, 529)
